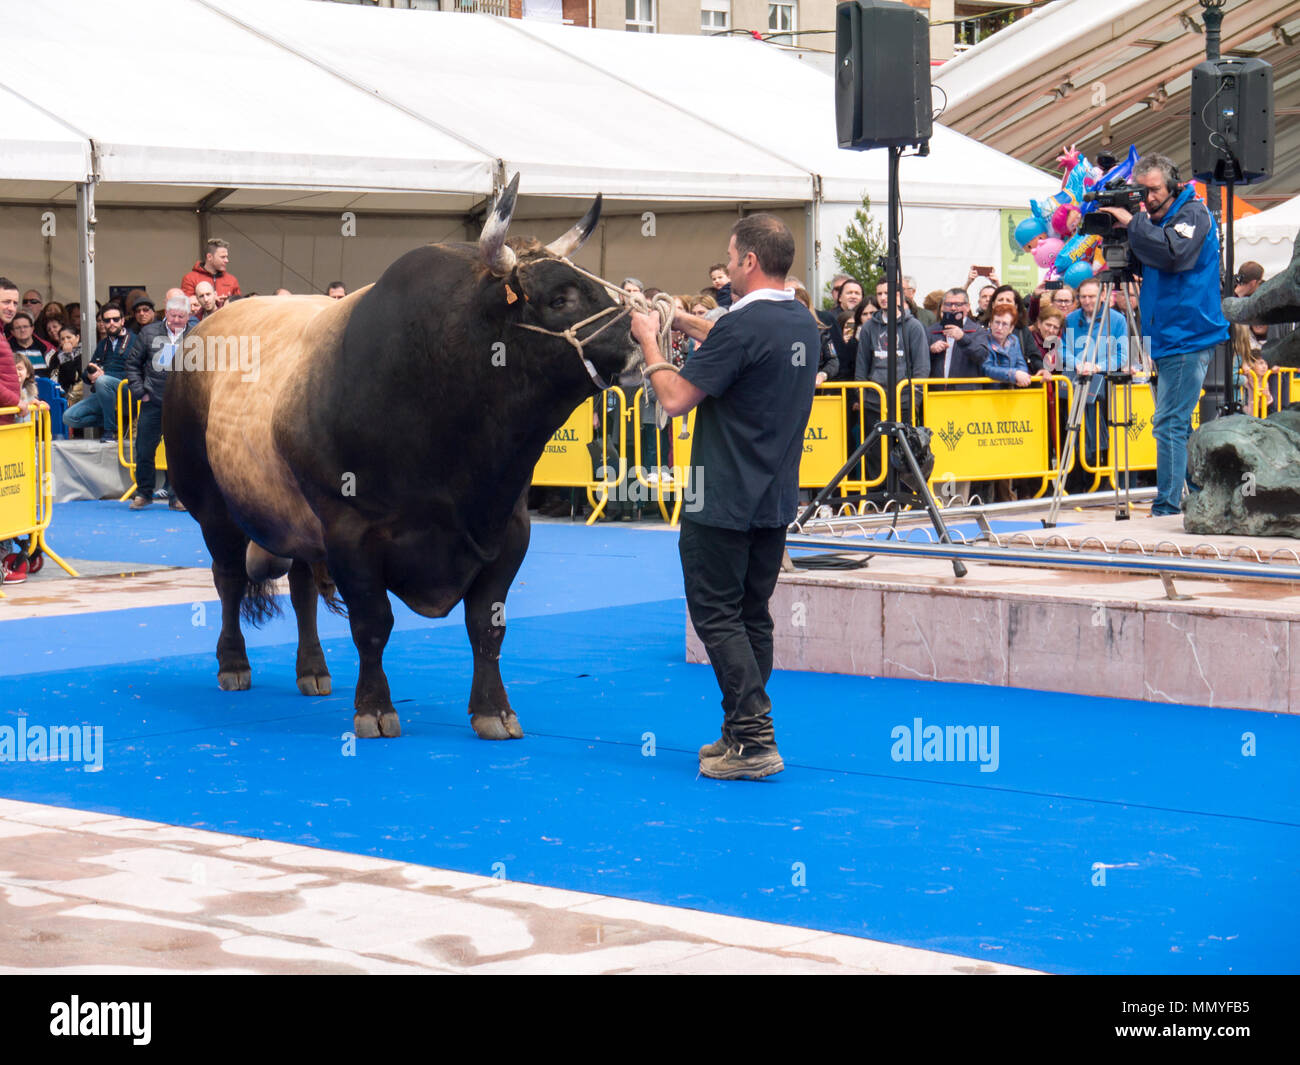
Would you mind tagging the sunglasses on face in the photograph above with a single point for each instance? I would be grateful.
(111, 321)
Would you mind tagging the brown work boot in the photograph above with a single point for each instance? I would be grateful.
(140, 502)
(741, 762)
(717, 747)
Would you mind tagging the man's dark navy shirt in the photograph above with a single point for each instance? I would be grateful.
(758, 366)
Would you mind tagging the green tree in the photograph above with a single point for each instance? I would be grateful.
(859, 251)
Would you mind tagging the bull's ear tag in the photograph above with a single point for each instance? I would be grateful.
(510, 295)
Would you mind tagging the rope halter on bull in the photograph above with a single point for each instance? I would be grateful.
(501, 261)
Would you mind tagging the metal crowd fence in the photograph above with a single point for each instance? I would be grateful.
(27, 483)
(1279, 388)
(981, 430)
(128, 411)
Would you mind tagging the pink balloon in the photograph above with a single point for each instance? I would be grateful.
(1046, 252)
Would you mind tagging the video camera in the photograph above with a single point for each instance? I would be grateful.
(1114, 238)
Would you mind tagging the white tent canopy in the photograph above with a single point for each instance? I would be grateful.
(1269, 237)
(298, 105)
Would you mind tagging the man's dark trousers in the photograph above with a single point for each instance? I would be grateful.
(730, 576)
(148, 434)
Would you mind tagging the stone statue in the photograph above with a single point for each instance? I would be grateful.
(1249, 468)
(1275, 302)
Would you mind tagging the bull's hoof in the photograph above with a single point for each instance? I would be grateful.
(314, 684)
(235, 680)
(369, 725)
(497, 726)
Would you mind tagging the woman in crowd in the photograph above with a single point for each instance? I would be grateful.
(1250, 370)
(1044, 356)
(1006, 298)
(702, 304)
(65, 363)
(51, 311)
(1063, 299)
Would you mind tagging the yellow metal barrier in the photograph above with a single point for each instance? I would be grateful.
(27, 482)
(567, 461)
(1281, 384)
(1141, 437)
(838, 412)
(667, 478)
(987, 434)
(128, 410)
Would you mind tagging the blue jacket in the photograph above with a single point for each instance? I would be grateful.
(1002, 363)
(1179, 255)
(1110, 353)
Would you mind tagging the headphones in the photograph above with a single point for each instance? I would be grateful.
(1173, 181)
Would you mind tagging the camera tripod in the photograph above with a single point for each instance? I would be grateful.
(1120, 379)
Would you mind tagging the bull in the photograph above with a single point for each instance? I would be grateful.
(385, 443)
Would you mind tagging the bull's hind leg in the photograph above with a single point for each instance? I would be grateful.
(370, 615)
(485, 621)
(226, 543)
(313, 673)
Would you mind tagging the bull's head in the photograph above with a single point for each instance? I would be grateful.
(556, 297)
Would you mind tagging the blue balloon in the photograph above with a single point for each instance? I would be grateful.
(1027, 229)
(1077, 273)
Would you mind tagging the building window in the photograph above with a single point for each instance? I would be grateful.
(641, 16)
(715, 15)
(782, 19)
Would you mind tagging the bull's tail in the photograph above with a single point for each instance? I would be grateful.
(328, 590)
(259, 604)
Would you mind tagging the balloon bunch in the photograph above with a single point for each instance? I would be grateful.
(1052, 233)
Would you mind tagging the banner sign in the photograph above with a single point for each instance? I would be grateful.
(825, 442)
(17, 478)
(566, 460)
(1018, 266)
(1141, 437)
(988, 434)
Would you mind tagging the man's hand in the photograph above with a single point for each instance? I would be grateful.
(953, 332)
(645, 328)
(821, 377)
(1022, 379)
(1121, 216)
(1044, 374)
(938, 347)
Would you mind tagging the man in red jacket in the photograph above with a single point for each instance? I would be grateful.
(212, 268)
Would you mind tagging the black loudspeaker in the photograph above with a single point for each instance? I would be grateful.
(1232, 119)
(882, 75)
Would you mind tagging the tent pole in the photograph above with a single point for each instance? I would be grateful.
(86, 264)
(813, 238)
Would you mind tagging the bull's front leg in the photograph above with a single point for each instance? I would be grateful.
(485, 621)
(359, 580)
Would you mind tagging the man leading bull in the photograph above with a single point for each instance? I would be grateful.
(752, 380)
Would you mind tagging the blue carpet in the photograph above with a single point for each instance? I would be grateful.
(1197, 843)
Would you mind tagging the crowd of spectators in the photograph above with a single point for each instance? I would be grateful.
(983, 332)
(42, 340)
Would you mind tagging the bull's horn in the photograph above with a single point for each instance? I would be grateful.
(576, 237)
(492, 242)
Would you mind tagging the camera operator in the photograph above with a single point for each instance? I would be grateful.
(1176, 246)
